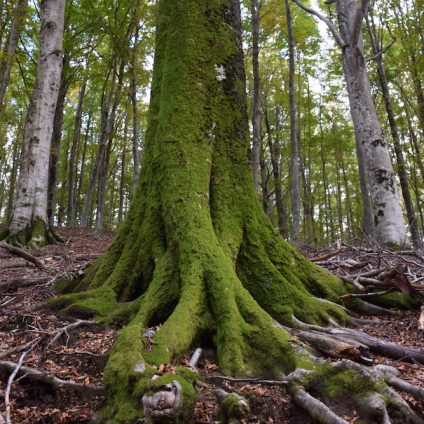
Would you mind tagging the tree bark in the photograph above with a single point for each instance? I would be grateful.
(29, 217)
(388, 218)
(413, 225)
(10, 47)
(56, 142)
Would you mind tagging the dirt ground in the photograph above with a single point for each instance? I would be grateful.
(80, 354)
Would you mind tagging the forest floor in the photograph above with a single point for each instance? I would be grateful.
(79, 353)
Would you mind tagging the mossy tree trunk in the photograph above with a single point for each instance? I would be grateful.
(196, 255)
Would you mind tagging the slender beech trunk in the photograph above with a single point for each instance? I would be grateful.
(56, 142)
(256, 101)
(9, 50)
(104, 164)
(79, 184)
(133, 95)
(71, 211)
(104, 137)
(413, 225)
(264, 182)
(388, 219)
(275, 152)
(29, 217)
(294, 142)
(122, 174)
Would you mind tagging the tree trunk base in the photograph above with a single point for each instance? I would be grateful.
(36, 235)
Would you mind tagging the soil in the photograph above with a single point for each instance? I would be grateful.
(80, 354)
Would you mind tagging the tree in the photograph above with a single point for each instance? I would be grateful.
(294, 142)
(28, 223)
(10, 47)
(196, 255)
(388, 219)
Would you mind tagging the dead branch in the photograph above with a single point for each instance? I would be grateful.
(328, 255)
(65, 329)
(22, 253)
(219, 377)
(195, 358)
(36, 375)
(20, 348)
(9, 386)
(22, 282)
(364, 295)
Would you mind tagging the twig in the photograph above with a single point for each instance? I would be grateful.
(22, 253)
(331, 27)
(249, 380)
(9, 386)
(380, 293)
(65, 329)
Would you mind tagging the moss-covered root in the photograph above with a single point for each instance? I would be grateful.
(37, 234)
(234, 407)
(346, 386)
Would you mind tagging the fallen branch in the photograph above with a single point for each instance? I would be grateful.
(22, 282)
(35, 375)
(364, 295)
(247, 380)
(22, 253)
(9, 386)
(327, 255)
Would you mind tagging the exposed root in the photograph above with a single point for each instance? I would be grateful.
(315, 408)
(234, 407)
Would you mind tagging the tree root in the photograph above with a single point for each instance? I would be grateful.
(233, 406)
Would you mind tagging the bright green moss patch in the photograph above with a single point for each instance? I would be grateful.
(348, 383)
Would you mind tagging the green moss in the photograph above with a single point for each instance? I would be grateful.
(395, 300)
(348, 383)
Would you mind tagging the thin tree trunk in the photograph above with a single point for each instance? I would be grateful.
(10, 47)
(29, 217)
(416, 240)
(264, 182)
(256, 102)
(104, 164)
(82, 171)
(275, 152)
(294, 142)
(71, 212)
(105, 110)
(136, 131)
